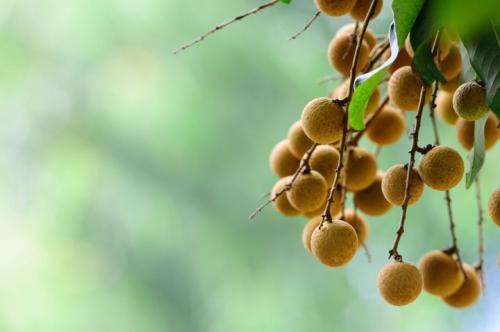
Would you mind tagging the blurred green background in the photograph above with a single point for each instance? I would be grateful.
(127, 175)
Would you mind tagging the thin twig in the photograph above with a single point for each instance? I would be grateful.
(303, 167)
(414, 148)
(454, 248)
(480, 219)
(377, 150)
(360, 133)
(225, 24)
(377, 54)
(326, 214)
(307, 26)
(328, 78)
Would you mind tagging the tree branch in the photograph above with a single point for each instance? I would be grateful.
(480, 247)
(225, 24)
(307, 26)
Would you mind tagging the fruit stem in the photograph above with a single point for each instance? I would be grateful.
(307, 26)
(480, 248)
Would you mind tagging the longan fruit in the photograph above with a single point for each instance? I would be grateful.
(341, 53)
(360, 9)
(444, 107)
(282, 161)
(444, 47)
(451, 63)
(494, 206)
(324, 160)
(402, 59)
(442, 276)
(335, 244)
(441, 168)
(358, 223)
(452, 85)
(282, 204)
(341, 92)
(335, 7)
(387, 127)
(465, 132)
(371, 200)
(308, 192)
(394, 184)
(370, 38)
(322, 120)
(400, 283)
(468, 293)
(360, 170)
(334, 208)
(469, 101)
(404, 89)
(298, 141)
(308, 231)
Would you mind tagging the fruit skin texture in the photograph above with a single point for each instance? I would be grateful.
(361, 169)
(494, 206)
(404, 89)
(341, 92)
(400, 283)
(441, 168)
(451, 64)
(341, 53)
(468, 293)
(469, 101)
(322, 120)
(465, 132)
(452, 85)
(442, 276)
(370, 37)
(387, 127)
(335, 244)
(360, 9)
(282, 161)
(308, 231)
(394, 183)
(444, 107)
(308, 192)
(334, 208)
(324, 160)
(335, 7)
(359, 224)
(371, 200)
(298, 141)
(282, 204)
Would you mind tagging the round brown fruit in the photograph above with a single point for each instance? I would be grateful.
(360, 9)
(441, 168)
(281, 204)
(404, 89)
(400, 283)
(342, 91)
(341, 53)
(468, 293)
(394, 184)
(442, 276)
(444, 107)
(465, 132)
(452, 85)
(469, 101)
(370, 37)
(308, 230)
(335, 7)
(335, 244)
(360, 170)
(371, 200)
(324, 160)
(282, 161)
(387, 127)
(334, 208)
(298, 140)
(322, 120)
(358, 223)
(494, 206)
(451, 64)
(308, 192)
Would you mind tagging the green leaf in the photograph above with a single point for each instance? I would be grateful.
(422, 37)
(405, 15)
(484, 55)
(286, 1)
(476, 156)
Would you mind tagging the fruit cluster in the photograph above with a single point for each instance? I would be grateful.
(320, 161)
